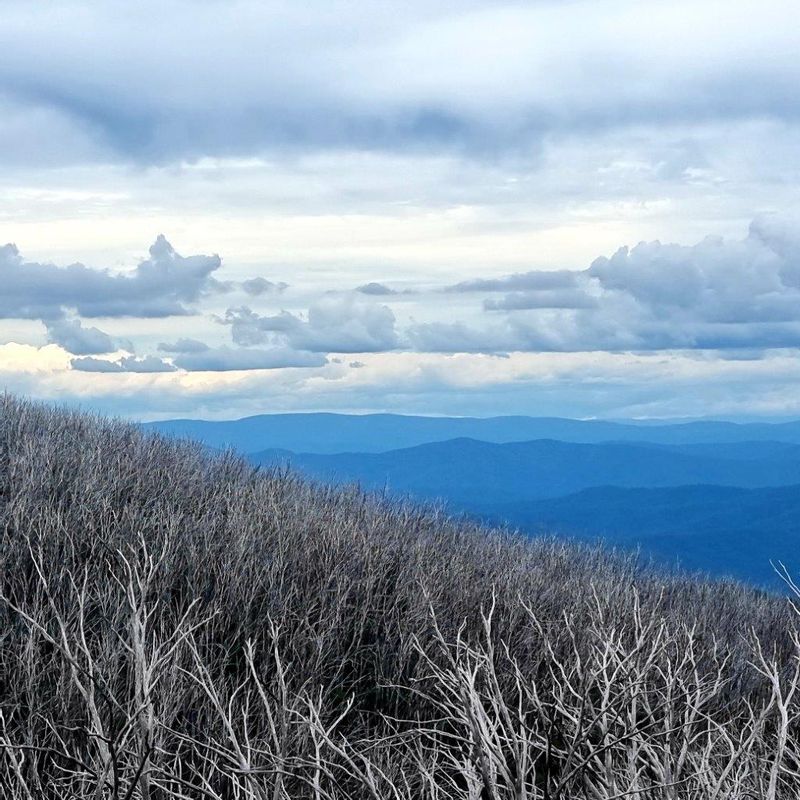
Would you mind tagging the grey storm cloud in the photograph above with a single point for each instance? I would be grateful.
(717, 294)
(350, 75)
(165, 284)
(79, 340)
(222, 359)
(146, 364)
(340, 325)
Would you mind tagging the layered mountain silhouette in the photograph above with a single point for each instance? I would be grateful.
(476, 474)
(374, 433)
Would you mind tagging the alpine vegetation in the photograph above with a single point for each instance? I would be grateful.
(176, 624)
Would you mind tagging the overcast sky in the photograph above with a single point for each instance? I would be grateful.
(572, 208)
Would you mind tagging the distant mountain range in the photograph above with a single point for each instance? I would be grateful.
(477, 474)
(375, 433)
(713, 529)
(713, 496)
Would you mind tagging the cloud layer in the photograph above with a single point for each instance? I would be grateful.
(725, 295)
(482, 77)
(412, 201)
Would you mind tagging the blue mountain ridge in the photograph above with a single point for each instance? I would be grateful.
(372, 433)
(463, 470)
(714, 529)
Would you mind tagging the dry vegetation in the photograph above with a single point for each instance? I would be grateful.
(174, 625)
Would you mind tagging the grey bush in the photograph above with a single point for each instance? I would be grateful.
(176, 624)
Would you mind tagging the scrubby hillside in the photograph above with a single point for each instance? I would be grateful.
(177, 625)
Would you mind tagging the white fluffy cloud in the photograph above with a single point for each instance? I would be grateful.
(224, 359)
(724, 295)
(334, 324)
(78, 339)
(717, 294)
(165, 284)
(146, 364)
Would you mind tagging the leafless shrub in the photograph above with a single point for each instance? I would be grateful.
(177, 625)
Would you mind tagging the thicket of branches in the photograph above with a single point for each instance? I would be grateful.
(179, 625)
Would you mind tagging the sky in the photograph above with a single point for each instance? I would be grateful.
(559, 207)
